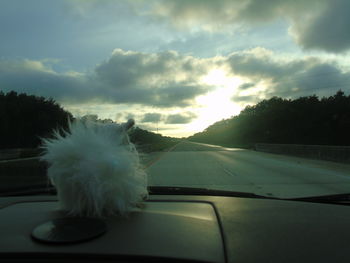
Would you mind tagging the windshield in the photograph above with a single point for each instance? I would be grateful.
(244, 96)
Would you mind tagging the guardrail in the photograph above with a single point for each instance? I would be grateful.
(24, 166)
(8, 154)
(321, 152)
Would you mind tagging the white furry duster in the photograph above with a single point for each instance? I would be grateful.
(95, 169)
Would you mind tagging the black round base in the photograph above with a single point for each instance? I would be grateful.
(69, 230)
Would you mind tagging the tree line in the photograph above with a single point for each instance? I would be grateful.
(25, 119)
(306, 120)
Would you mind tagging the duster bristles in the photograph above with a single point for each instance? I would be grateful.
(95, 169)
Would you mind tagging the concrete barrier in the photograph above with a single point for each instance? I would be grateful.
(321, 152)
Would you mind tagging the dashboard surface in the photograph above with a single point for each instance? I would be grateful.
(193, 228)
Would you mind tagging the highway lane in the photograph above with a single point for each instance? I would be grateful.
(201, 165)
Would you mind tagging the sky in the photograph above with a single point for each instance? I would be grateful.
(175, 66)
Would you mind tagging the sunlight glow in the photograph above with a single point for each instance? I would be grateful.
(210, 108)
(213, 107)
(215, 77)
(216, 105)
(219, 77)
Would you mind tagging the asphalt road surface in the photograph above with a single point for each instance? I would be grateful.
(208, 166)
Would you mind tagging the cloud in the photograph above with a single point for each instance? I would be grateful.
(171, 80)
(260, 63)
(314, 24)
(267, 75)
(213, 15)
(129, 68)
(151, 117)
(327, 30)
(323, 79)
(35, 77)
(181, 118)
(245, 86)
(164, 79)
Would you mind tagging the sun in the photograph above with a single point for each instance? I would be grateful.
(217, 104)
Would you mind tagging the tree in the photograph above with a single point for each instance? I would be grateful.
(25, 119)
(305, 120)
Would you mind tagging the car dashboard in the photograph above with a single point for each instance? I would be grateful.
(186, 228)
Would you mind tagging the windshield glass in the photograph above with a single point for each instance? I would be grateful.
(237, 95)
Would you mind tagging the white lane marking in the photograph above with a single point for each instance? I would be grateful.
(342, 176)
(228, 172)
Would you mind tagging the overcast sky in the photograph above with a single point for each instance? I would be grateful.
(175, 66)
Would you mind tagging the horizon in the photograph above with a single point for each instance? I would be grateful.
(176, 67)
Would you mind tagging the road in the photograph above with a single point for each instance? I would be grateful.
(201, 165)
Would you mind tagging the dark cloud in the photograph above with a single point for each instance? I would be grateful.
(127, 69)
(174, 95)
(214, 14)
(182, 94)
(164, 79)
(206, 14)
(33, 77)
(261, 64)
(328, 30)
(322, 79)
(168, 79)
(245, 86)
(180, 118)
(315, 24)
(285, 78)
(151, 117)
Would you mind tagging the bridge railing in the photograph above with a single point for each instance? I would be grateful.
(321, 152)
